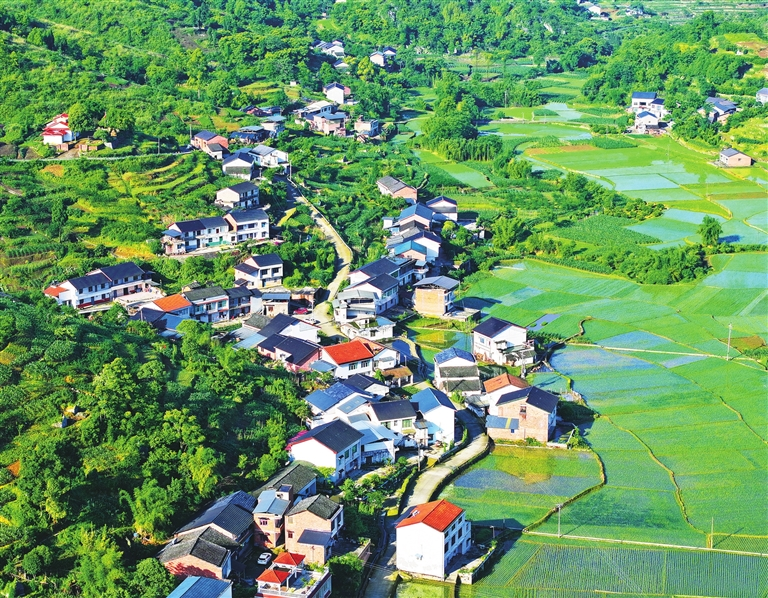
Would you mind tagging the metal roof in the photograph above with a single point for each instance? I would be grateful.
(335, 435)
(449, 354)
(533, 395)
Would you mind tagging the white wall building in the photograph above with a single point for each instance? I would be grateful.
(440, 414)
(429, 536)
(502, 342)
(335, 445)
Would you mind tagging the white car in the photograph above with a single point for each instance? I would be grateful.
(264, 558)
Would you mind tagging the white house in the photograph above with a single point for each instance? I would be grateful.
(240, 196)
(335, 445)
(429, 536)
(436, 409)
(102, 285)
(401, 269)
(368, 298)
(762, 96)
(354, 357)
(260, 271)
(246, 225)
(645, 121)
(369, 327)
(501, 385)
(444, 208)
(502, 342)
(57, 132)
(269, 157)
(239, 165)
(456, 371)
(378, 442)
(398, 416)
(325, 403)
(336, 92)
(334, 48)
(641, 100)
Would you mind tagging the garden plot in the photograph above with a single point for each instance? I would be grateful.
(543, 129)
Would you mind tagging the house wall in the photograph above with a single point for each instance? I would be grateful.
(421, 549)
(738, 160)
(346, 370)
(407, 193)
(191, 565)
(431, 302)
(441, 423)
(535, 423)
(268, 529)
(321, 456)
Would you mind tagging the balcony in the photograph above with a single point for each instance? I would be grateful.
(304, 583)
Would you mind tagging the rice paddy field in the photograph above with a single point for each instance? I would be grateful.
(515, 486)
(683, 432)
(550, 568)
(661, 170)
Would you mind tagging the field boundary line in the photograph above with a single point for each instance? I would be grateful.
(641, 543)
(678, 491)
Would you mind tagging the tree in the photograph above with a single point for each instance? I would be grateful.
(37, 560)
(710, 231)
(152, 580)
(347, 572)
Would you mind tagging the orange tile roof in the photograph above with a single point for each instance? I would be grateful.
(504, 380)
(372, 346)
(54, 291)
(289, 558)
(171, 303)
(354, 350)
(438, 514)
(274, 576)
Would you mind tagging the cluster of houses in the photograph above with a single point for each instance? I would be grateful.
(649, 112)
(244, 162)
(287, 511)
(325, 117)
(383, 58)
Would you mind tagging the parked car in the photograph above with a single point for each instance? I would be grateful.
(264, 558)
(301, 311)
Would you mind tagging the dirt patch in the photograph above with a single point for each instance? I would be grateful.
(578, 148)
(11, 190)
(747, 342)
(8, 151)
(56, 170)
(14, 468)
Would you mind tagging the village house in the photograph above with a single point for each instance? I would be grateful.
(367, 384)
(239, 302)
(189, 235)
(718, 109)
(411, 250)
(334, 48)
(641, 101)
(426, 240)
(175, 305)
(240, 165)
(308, 112)
(368, 298)
(246, 225)
(288, 578)
(296, 354)
(501, 385)
(369, 327)
(211, 143)
(443, 208)
(456, 371)
(274, 125)
(240, 196)
(330, 124)
(274, 301)
(202, 587)
(268, 516)
(378, 442)
(733, 158)
(429, 536)
(249, 135)
(102, 285)
(347, 359)
(260, 271)
(336, 92)
(341, 401)
(335, 445)
(398, 416)
(435, 408)
(285, 325)
(301, 479)
(646, 122)
(341, 65)
(312, 526)
(400, 269)
(502, 342)
(762, 96)
(208, 545)
(209, 304)
(418, 214)
(396, 188)
(58, 134)
(527, 413)
(434, 296)
(367, 128)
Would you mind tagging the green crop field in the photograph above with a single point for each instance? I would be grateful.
(515, 486)
(682, 430)
(538, 567)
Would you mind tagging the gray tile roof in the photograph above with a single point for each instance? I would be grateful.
(393, 410)
(335, 435)
(319, 505)
(467, 371)
(442, 282)
(123, 270)
(533, 395)
(297, 475)
(231, 513)
(204, 293)
(492, 326)
(462, 386)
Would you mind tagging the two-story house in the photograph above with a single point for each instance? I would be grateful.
(334, 123)
(296, 354)
(260, 271)
(353, 357)
(369, 327)
(289, 578)
(436, 409)
(238, 197)
(241, 164)
(209, 304)
(239, 302)
(369, 298)
(335, 445)
(312, 526)
(444, 208)
(188, 235)
(429, 536)
(398, 416)
(211, 143)
(102, 285)
(336, 92)
(268, 516)
(528, 413)
(400, 269)
(501, 385)
(434, 295)
(274, 124)
(246, 225)
(456, 371)
(502, 342)
(641, 101)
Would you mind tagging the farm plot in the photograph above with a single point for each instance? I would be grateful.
(561, 131)
(676, 412)
(460, 172)
(514, 486)
(604, 229)
(537, 567)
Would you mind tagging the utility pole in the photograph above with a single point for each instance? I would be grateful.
(559, 507)
(728, 354)
(712, 534)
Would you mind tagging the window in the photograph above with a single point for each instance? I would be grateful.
(365, 364)
(407, 423)
(352, 366)
(346, 454)
(290, 534)
(354, 450)
(263, 521)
